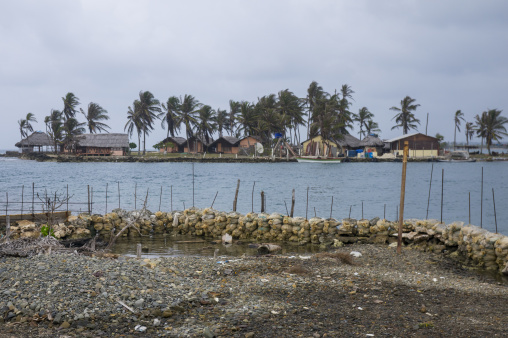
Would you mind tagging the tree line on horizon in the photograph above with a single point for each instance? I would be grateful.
(321, 113)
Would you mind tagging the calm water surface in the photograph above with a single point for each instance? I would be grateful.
(377, 185)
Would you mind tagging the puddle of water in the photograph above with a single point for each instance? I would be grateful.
(171, 246)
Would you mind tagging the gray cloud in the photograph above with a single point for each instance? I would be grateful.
(447, 55)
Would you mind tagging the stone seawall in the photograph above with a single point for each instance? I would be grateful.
(479, 247)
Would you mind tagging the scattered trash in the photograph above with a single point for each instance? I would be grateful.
(434, 279)
(359, 308)
(156, 322)
(275, 312)
(140, 328)
(222, 262)
(227, 239)
(355, 254)
(356, 274)
(370, 335)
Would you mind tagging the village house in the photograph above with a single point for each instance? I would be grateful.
(420, 145)
(225, 145)
(174, 145)
(195, 144)
(102, 144)
(372, 146)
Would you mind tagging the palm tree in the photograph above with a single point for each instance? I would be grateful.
(234, 109)
(134, 122)
(314, 93)
(170, 117)
(290, 108)
(371, 127)
(480, 127)
(22, 128)
(469, 131)
(459, 115)
(149, 109)
(247, 118)
(363, 116)
(206, 125)
(494, 126)
(54, 127)
(25, 126)
(187, 114)
(222, 121)
(72, 128)
(93, 116)
(70, 103)
(405, 118)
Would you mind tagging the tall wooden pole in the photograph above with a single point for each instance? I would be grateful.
(252, 199)
(307, 207)
(33, 199)
(442, 193)
(430, 186)
(118, 194)
(470, 207)
(494, 200)
(135, 197)
(481, 204)
(106, 198)
(234, 209)
(262, 201)
(293, 202)
(236, 195)
(88, 188)
(331, 208)
(22, 194)
(402, 196)
(160, 199)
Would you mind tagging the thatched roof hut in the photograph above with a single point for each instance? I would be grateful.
(38, 139)
(225, 144)
(177, 147)
(102, 144)
(348, 142)
(110, 140)
(372, 141)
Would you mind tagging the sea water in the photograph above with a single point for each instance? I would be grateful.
(359, 190)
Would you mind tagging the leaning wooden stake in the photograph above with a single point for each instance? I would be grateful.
(331, 208)
(214, 199)
(402, 196)
(307, 207)
(470, 207)
(22, 193)
(138, 251)
(252, 199)
(106, 198)
(262, 201)
(293, 203)
(494, 200)
(236, 195)
(430, 186)
(160, 199)
(118, 194)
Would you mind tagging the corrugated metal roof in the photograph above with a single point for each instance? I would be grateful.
(405, 136)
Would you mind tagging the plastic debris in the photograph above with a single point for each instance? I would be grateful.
(355, 254)
(140, 328)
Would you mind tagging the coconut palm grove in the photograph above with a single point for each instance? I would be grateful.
(320, 113)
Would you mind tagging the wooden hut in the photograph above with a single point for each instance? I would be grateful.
(248, 143)
(195, 144)
(348, 143)
(225, 145)
(38, 141)
(178, 145)
(420, 145)
(102, 144)
(373, 145)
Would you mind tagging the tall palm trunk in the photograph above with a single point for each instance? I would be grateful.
(139, 144)
(454, 138)
(144, 143)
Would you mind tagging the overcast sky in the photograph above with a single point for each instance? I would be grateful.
(448, 55)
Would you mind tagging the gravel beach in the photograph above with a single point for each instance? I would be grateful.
(377, 294)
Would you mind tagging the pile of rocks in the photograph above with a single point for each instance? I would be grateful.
(479, 246)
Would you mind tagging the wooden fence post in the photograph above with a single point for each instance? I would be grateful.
(236, 195)
(402, 196)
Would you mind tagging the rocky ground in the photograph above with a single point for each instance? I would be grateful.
(323, 295)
